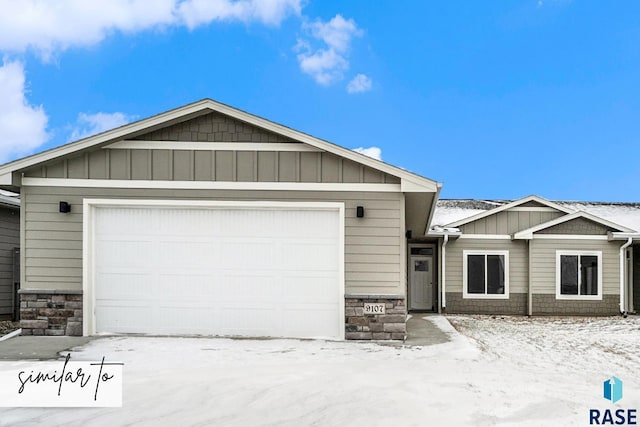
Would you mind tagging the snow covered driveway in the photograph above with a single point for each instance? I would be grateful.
(499, 371)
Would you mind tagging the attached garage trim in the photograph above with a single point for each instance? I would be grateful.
(211, 185)
(90, 205)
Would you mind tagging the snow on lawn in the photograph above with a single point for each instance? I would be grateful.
(507, 371)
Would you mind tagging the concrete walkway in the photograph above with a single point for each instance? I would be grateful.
(421, 331)
(38, 347)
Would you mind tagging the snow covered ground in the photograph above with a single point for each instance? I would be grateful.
(506, 371)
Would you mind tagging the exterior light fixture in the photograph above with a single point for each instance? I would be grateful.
(65, 207)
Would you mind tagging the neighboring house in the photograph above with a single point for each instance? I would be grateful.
(210, 220)
(9, 244)
(533, 256)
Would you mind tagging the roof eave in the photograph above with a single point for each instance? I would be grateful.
(614, 235)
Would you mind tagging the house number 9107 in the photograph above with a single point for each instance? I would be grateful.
(374, 308)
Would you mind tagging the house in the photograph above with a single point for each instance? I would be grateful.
(209, 220)
(9, 246)
(533, 256)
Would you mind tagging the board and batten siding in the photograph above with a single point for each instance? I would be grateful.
(508, 222)
(53, 241)
(9, 239)
(213, 165)
(543, 263)
(518, 261)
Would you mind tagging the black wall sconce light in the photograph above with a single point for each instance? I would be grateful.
(360, 211)
(65, 207)
(408, 234)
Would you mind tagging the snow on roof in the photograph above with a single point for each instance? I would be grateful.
(7, 198)
(8, 193)
(450, 210)
(627, 214)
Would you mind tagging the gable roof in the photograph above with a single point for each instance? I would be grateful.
(510, 205)
(623, 213)
(528, 233)
(410, 182)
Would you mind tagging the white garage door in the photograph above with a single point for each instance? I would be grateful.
(251, 271)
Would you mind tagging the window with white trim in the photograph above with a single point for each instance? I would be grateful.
(578, 275)
(486, 274)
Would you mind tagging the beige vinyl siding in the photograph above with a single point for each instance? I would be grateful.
(9, 239)
(508, 222)
(53, 241)
(224, 165)
(543, 263)
(518, 264)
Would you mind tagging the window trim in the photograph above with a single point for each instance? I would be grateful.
(578, 253)
(466, 294)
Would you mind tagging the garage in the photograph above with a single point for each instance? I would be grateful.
(209, 220)
(215, 268)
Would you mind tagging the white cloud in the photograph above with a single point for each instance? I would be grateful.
(328, 63)
(50, 26)
(373, 152)
(270, 12)
(360, 83)
(325, 66)
(91, 124)
(337, 33)
(23, 127)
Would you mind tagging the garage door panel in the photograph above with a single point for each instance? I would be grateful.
(310, 256)
(254, 272)
(250, 288)
(302, 289)
(120, 253)
(299, 322)
(247, 319)
(193, 253)
(238, 256)
(123, 285)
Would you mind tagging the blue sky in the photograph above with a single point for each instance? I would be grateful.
(496, 99)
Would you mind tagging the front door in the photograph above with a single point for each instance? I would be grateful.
(421, 277)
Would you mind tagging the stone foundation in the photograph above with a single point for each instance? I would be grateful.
(516, 304)
(389, 326)
(549, 305)
(50, 312)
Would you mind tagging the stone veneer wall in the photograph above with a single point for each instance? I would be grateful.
(50, 312)
(389, 326)
(516, 304)
(548, 304)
